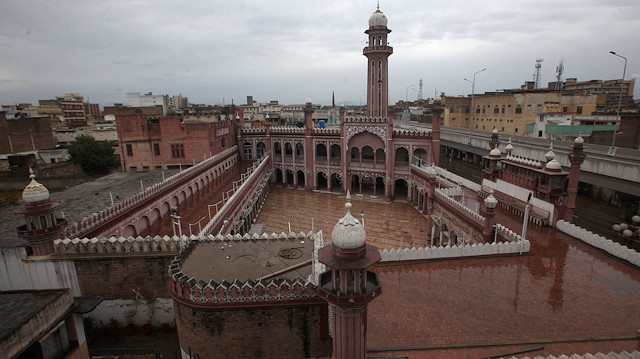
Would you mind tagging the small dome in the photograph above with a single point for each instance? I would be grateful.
(491, 201)
(35, 191)
(308, 100)
(509, 146)
(348, 233)
(553, 165)
(495, 152)
(579, 140)
(378, 19)
(495, 130)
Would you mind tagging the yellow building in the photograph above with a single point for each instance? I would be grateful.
(511, 111)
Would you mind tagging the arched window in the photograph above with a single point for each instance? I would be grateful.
(43, 221)
(53, 219)
(32, 224)
(380, 40)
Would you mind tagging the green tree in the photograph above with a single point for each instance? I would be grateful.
(94, 157)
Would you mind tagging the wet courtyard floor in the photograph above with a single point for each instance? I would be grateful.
(564, 295)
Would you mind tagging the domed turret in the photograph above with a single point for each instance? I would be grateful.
(348, 233)
(378, 18)
(495, 152)
(35, 191)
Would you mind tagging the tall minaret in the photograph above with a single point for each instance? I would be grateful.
(377, 54)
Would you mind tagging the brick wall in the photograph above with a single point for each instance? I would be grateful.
(118, 277)
(25, 134)
(274, 332)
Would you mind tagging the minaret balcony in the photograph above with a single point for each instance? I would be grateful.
(377, 49)
(349, 299)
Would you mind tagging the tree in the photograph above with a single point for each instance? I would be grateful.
(94, 157)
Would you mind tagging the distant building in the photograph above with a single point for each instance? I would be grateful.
(134, 99)
(150, 142)
(25, 134)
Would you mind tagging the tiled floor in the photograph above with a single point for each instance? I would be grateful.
(563, 295)
(388, 225)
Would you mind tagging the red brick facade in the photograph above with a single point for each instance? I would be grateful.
(270, 332)
(155, 142)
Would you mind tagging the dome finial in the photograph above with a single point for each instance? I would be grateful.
(348, 204)
(378, 5)
(31, 174)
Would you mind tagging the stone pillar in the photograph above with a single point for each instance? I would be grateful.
(308, 144)
(350, 323)
(435, 132)
(576, 157)
(490, 204)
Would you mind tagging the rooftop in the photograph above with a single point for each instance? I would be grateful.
(244, 260)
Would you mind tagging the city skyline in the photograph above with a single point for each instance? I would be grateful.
(287, 52)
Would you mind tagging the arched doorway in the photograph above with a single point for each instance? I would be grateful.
(335, 155)
(379, 188)
(355, 155)
(367, 154)
(380, 157)
(355, 184)
(321, 153)
(420, 157)
(322, 180)
(277, 149)
(402, 157)
(301, 181)
(129, 231)
(279, 179)
(299, 152)
(290, 177)
(288, 150)
(367, 185)
(261, 149)
(336, 182)
(401, 189)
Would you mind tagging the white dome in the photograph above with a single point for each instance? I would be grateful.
(495, 152)
(553, 165)
(495, 130)
(35, 191)
(491, 201)
(579, 140)
(308, 100)
(378, 19)
(348, 233)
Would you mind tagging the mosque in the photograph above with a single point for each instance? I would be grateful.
(234, 292)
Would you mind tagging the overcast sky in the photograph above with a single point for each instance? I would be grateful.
(285, 50)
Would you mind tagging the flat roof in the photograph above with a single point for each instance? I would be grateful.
(18, 307)
(244, 260)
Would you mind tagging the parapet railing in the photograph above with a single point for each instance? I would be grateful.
(88, 223)
(120, 245)
(240, 186)
(461, 208)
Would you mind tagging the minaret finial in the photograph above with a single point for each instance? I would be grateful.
(348, 204)
(31, 175)
(378, 5)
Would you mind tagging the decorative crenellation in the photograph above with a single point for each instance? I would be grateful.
(365, 119)
(600, 242)
(326, 131)
(533, 218)
(87, 223)
(507, 234)
(455, 251)
(253, 130)
(120, 245)
(461, 208)
(411, 133)
(287, 130)
(523, 161)
(380, 131)
(226, 293)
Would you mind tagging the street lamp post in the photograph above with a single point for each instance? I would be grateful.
(612, 149)
(406, 95)
(473, 95)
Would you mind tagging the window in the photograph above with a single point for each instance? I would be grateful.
(579, 110)
(43, 222)
(565, 109)
(129, 150)
(156, 149)
(539, 133)
(518, 109)
(516, 130)
(496, 110)
(453, 119)
(177, 150)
